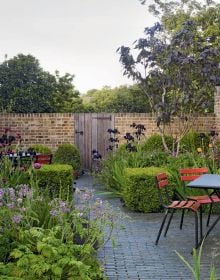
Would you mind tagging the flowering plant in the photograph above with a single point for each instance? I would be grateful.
(44, 237)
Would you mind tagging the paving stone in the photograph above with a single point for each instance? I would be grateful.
(135, 255)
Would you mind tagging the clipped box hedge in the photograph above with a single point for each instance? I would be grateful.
(140, 193)
(55, 177)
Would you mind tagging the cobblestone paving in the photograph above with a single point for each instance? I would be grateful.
(135, 256)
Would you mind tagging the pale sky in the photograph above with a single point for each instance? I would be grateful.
(75, 36)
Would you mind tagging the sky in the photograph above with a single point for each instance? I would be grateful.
(79, 37)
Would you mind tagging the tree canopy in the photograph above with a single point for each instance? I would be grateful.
(177, 68)
(116, 100)
(26, 88)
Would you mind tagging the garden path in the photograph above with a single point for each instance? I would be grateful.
(135, 256)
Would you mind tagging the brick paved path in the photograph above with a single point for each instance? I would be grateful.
(136, 257)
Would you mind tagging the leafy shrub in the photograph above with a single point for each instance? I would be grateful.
(42, 149)
(42, 254)
(55, 176)
(10, 176)
(192, 140)
(155, 143)
(68, 154)
(140, 192)
(112, 168)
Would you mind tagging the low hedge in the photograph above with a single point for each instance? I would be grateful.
(140, 193)
(56, 177)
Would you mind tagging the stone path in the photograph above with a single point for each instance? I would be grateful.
(136, 257)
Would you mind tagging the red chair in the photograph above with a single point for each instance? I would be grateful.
(189, 174)
(43, 159)
(162, 183)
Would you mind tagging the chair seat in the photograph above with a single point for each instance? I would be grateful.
(193, 205)
(205, 199)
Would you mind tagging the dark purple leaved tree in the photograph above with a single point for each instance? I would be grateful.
(178, 74)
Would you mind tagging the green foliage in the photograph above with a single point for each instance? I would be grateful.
(27, 88)
(196, 267)
(10, 176)
(48, 238)
(42, 149)
(115, 100)
(56, 178)
(192, 140)
(41, 254)
(68, 154)
(140, 192)
(155, 143)
(112, 169)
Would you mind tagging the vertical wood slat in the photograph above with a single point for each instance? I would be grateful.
(94, 137)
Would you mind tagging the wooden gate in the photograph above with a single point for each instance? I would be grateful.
(91, 134)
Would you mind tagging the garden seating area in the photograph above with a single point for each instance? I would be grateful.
(135, 255)
(42, 209)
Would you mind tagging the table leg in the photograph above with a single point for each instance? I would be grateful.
(200, 221)
(209, 230)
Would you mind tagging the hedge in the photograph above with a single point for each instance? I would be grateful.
(55, 177)
(140, 193)
(68, 154)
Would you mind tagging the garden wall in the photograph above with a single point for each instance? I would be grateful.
(123, 123)
(49, 129)
(56, 128)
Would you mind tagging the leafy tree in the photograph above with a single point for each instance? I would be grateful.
(115, 100)
(26, 88)
(177, 73)
(66, 98)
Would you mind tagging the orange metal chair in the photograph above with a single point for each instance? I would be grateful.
(162, 183)
(189, 174)
(43, 159)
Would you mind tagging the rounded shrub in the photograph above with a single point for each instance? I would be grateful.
(155, 143)
(68, 154)
(41, 149)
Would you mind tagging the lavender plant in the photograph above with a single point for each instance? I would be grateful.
(48, 238)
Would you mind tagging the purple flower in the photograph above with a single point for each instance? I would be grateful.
(1, 193)
(25, 191)
(63, 207)
(11, 192)
(54, 213)
(10, 205)
(16, 219)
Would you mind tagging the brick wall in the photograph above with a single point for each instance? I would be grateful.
(123, 123)
(48, 129)
(55, 129)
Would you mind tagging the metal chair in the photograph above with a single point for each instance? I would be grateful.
(163, 184)
(43, 159)
(189, 174)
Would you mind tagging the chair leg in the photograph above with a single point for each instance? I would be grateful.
(161, 227)
(210, 211)
(200, 220)
(182, 217)
(169, 221)
(196, 231)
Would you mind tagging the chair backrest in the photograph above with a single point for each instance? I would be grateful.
(162, 184)
(190, 174)
(43, 159)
